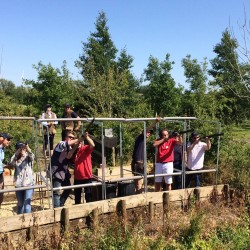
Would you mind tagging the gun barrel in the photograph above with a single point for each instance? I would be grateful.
(186, 131)
(213, 135)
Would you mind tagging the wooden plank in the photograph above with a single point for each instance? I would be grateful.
(18, 222)
(26, 220)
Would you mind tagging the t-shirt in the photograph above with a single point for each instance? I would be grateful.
(166, 151)
(138, 153)
(83, 163)
(196, 156)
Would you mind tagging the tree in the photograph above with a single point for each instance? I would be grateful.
(227, 72)
(198, 101)
(108, 85)
(53, 86)
(162, 94)
(99, 52)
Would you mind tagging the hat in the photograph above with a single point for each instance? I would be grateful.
(6, 136)
(19, 144)
(194, 134)
(67, 105)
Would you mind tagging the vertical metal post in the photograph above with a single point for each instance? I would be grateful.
(121, 155)
(184, 148)
(103, 166)
(217, 158)
(145, 159)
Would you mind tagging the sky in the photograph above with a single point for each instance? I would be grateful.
(52, 31)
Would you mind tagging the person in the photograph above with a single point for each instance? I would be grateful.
(137, 164)
(81, 157)
(59, 168)
(69, 125)
(195, 157)
(165, 157)
(5, 142)
(49, 129)
(22, 161)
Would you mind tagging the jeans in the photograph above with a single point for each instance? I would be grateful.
(196, 177)
(1, 187)
(78, 191)
(24, 200)
(59, 197)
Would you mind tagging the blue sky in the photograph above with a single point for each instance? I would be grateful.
(53, 30)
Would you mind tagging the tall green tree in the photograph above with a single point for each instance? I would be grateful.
(227, 71)
(162, 94)
(108, 85)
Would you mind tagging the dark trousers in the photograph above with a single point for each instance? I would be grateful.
(178, 178)
(196, 177)
(78, 191)
(59, 197)
(50, 141)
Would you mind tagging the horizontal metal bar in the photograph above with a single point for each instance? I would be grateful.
(16, 118)
(200, 171)
(179, 118)
(22, 188)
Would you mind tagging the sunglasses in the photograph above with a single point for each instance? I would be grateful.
(71, 137)
(8, 139)
(67, 107)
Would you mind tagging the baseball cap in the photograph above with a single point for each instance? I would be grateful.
(67, 105)
(19, 144)
(6, 136)
(194, 134)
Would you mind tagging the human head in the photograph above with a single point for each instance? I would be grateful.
(71, 135)
(67, 107)
(149, 133)
(6, 139)
(1, 138)
(19, 145)
(195, 136)
(48, 106)
(164, 133)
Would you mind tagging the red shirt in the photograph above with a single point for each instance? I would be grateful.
(166, 151)
(83, 163)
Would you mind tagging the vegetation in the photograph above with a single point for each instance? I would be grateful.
(218, 96)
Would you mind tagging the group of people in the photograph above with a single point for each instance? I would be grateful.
(77, 150)
(70, 150)
(169, 157)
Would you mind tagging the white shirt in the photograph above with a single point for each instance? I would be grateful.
(196, 156)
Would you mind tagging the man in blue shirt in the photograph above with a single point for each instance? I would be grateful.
(4, 142)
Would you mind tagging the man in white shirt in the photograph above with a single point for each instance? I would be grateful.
(196, 151)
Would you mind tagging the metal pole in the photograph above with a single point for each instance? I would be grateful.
(121, 155)
(145, 159)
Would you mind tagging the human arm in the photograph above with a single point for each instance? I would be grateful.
(89, 140)
(208, 142)
(159, 141)
(153, 124)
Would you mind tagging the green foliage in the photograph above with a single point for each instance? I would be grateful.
(228, 73)
(162, 94)
(52, 86)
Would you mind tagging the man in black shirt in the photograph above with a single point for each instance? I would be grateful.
(137, 164)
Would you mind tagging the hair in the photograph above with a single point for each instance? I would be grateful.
(71, 132)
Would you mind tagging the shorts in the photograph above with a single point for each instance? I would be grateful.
(164, 168)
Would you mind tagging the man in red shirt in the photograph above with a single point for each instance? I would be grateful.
(83, 167)
(165, 158)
